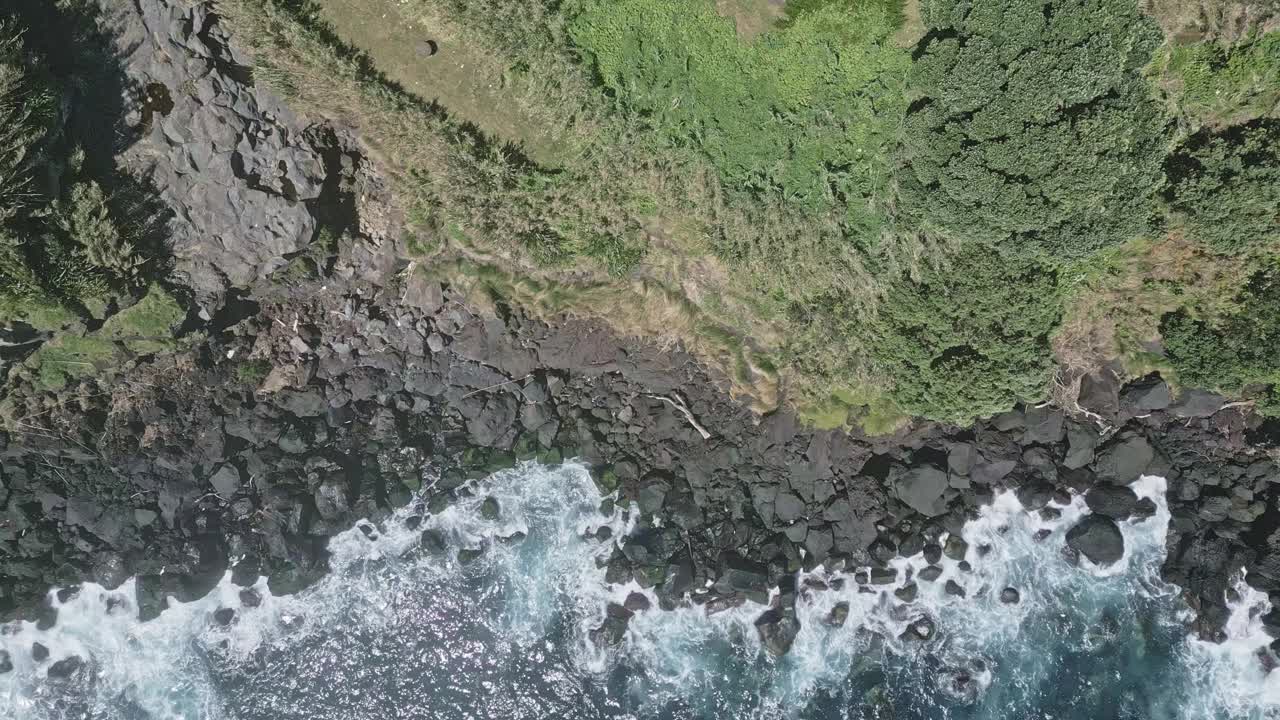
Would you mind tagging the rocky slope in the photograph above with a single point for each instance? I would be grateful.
(325, 380)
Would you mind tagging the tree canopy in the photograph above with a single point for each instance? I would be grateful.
(1226, 186)
(969, 339)
(1031, 126)
(1234, 353)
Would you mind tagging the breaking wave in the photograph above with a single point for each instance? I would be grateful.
(489, 613)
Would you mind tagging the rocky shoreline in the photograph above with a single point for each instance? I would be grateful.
(305, 401)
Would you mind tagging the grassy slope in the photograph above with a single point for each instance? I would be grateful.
(745, 281)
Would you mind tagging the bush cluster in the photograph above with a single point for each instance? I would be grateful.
(970, 338)
(1234, 354)
(1031, 125)
(1226, 186)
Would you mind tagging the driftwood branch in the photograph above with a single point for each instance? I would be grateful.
(677, 402)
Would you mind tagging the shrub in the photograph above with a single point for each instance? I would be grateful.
(1225, 83)
(1226, 186)
(86, 220)
(803, 114)
(969, 339)
(1031, 125)
(1234, 353)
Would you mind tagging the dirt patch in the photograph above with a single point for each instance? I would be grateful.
(752, 17)
(433, 59)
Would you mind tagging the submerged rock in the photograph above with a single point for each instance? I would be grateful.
(778, 630)
(614, 628)
(6, 663)
(1010, 596)
(838, 615)
(65, 668)
(1098, 538)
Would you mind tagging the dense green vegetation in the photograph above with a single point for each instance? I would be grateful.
(970, 339)
(1031, 125)
(806, 114)
(1236, 353)
(1226, 186)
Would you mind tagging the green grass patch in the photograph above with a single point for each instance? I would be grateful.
(1224, 84)
(69, 357)
(148, 326)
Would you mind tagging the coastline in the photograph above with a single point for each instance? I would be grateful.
(306, 401)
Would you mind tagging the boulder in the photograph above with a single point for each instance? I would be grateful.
(1010, 596)
(788, 508)
(1126, 460)
(1044, 426)
(1114, 501)
(923, 629)
(955, 548)
(636, 602)
(1035, 495)
(1082, 440)
(224, 616)
(907, 593)
(954, 588)
(922, 490)
(226, 481)
(960, 458)
(1148, 395)
(741, 575)
(1098, 538)
(1197, 403)
(1100, 392)
(778, 630)
(6, 662)
(986, 473)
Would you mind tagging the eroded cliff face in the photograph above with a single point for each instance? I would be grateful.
(326, 380)
(250, 184)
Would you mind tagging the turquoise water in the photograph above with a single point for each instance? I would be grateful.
(397, 632)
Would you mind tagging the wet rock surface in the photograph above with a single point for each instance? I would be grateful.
(313, 400)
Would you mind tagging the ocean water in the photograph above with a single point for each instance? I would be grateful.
(397, 631)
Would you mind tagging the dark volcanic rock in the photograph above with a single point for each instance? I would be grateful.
(1114, 501)
(1098, 538)
(614, 628)
(838, 615)
(1125, 460)
(922, 490)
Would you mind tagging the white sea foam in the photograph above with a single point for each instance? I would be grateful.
(714, 665)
